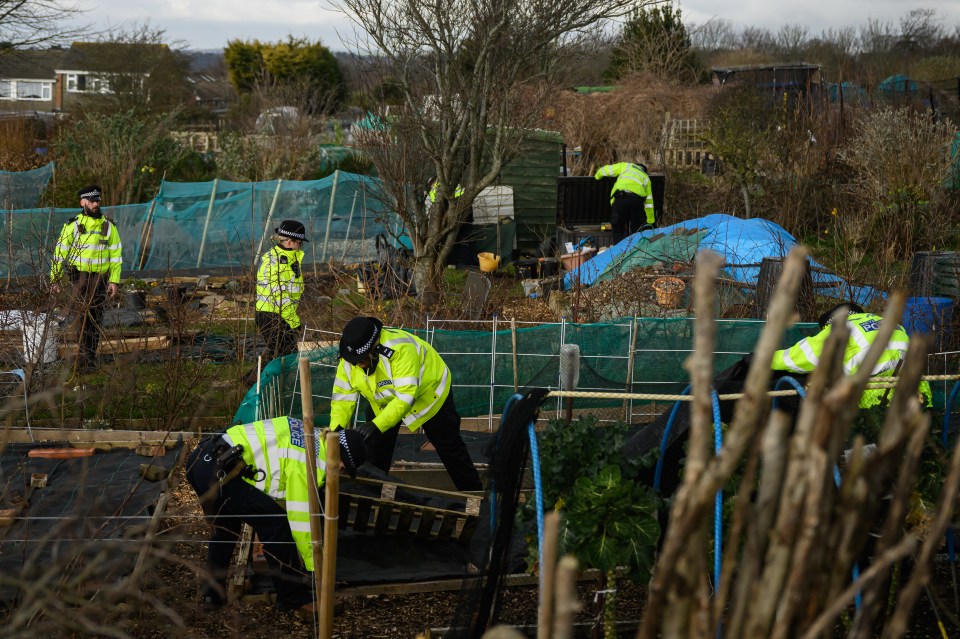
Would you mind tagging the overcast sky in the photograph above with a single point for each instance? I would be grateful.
(209, 24)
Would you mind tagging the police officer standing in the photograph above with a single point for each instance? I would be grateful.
(279, 287)
(631, 198)
(88, 255)
(405, 382)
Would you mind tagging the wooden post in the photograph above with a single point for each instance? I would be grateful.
(333, 198)
(630, 359)
(329, 581)
(516, 368)
(346, 236)
(306, 401)
(206, 222)
(551, 530)
(266, 224)
(146, 233)
(567, 604)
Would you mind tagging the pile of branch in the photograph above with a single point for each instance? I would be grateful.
(795, 536)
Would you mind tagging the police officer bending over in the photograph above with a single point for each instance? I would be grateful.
(238, 475)
(405, 382)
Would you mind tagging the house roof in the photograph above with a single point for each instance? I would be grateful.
(787, 66)
(112, 57)
(209, 87)
(30, 64)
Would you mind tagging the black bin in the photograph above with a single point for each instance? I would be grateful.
(585, 201)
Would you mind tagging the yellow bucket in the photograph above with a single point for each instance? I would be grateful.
(488, 262)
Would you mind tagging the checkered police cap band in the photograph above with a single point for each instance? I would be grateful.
(360, 350)
(86, 195)
(292, 234)
(345, 447)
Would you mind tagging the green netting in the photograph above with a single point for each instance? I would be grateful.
(215, 224)
(22, 189)
(224, 223)
(675, 247)
(482, 363)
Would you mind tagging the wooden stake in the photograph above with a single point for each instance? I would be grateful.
(306, 401)
(567, 603)
(630, 358)
(329, 580)
(551, 530)
(516, 368)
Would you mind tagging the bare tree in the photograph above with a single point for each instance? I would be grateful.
(31, 23)
(756, 38)
(713, 35)
(791, 39)
(474, 78)
(877, 36)
(922, 28)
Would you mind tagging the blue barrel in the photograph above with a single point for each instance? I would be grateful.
(930, 315)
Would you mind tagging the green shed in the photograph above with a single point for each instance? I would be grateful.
(533, 177)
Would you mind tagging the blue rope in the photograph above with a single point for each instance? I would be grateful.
(718, 499)
(790, 382)
(945, 435)
(538, 491)
(663, 440)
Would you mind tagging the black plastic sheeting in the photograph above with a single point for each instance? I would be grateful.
(98, 499)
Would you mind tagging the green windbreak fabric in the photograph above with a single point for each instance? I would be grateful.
(215, 224)
(482, 363)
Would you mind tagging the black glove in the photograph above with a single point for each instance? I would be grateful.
(369, 430)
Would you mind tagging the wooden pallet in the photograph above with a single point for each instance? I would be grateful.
(384, 515)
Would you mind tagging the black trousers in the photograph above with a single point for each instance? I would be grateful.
(88, 297)
(279, 338)
(230, 505)
(443, 431)
(627, 214)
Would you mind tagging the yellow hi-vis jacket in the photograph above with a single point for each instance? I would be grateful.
(632, 179)
(280, 284)
(409, 385)
(432, 194)
(804, 356)
(277, 447)
(89, 244)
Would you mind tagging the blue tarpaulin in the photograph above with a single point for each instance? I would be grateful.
(742, 243)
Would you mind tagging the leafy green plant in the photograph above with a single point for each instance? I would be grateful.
(609, 518)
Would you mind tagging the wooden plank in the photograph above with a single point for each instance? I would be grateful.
(447, 526)
(107, 438)
(384, 513)
(125, 345)
(425, 527)
(363, 509)
(405, 520)
(447, 585)
(61, 453)
(237, 582)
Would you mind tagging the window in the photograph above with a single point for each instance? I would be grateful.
(76, 82)
(34, 90)
(6, 89)
(88, 83)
